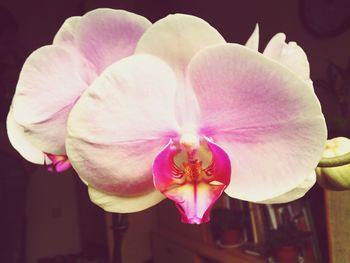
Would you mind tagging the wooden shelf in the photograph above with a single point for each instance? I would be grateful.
(204, 249)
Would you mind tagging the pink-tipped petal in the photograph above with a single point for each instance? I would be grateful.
(268, 120)
(193, 184)
(49, 84)
(290, 55)
(176, 39)
(54, 77)
(295, 193)
(119, 204)
(105, 36)
(21, 144)
(253, 41)
(120, 123)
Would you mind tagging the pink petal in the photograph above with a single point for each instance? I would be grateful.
(194, 185)
(54, 77)
(119, 204)
(120, 123)
(176, 39)
(290, 55)
(50, 82)
(105, 36)
(253, 41)
(267, 119)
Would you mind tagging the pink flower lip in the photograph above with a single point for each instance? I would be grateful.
(196, 219)
(193, 178)
(59, 163)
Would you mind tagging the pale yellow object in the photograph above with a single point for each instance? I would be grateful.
(335, 178)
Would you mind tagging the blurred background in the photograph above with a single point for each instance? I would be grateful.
(48, 217)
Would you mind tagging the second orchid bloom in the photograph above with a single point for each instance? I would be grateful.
(145, 112)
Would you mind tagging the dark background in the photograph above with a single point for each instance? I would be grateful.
(30, 206)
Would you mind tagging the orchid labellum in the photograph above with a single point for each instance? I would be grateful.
(54, 77)
(186, 116)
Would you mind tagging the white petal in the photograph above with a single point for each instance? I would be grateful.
(253, 41)
(295, 193)
(121, 122)
(19, 141)
(290, 55)
(119, 204)
(67, 33)
(176, 39)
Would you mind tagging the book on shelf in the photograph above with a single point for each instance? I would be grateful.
(260, 220)
(314, 251)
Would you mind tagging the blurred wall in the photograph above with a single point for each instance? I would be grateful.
(136, 243)
(52, 218)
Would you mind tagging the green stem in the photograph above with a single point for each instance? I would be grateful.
(335, 161)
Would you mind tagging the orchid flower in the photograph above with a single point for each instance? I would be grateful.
(54, 77)
(189, 116)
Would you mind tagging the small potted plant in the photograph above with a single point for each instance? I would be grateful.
(285, 243)
(227, 226)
